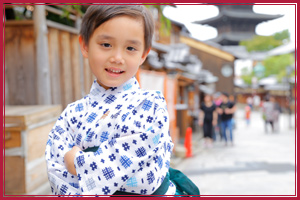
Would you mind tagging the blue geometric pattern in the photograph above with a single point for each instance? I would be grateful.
(59, 130)
(80, 160)
(79, 107)
(134, 142)
(156, 139)
(150, 177)
(110, 99)
(90, 184)
(91, 117)
(108, 173)
(125, 161)
(127, 86)
(140, 152)
(132, 182)
(147, 105)
(104, 137)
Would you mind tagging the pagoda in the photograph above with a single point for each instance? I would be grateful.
(235, 22)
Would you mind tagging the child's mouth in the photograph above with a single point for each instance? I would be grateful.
(114, 71)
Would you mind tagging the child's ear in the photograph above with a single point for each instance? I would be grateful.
(83, 47)
(145, 56)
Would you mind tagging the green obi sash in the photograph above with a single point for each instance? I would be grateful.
(184, 186)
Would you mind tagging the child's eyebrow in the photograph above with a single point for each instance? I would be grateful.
(135, 42)
(101, 37)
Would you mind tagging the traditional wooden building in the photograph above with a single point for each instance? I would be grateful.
(219, 62)
(235, 22)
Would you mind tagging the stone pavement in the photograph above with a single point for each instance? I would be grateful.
(259, 163)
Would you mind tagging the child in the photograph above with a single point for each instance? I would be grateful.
(247, 114)
(128, 126)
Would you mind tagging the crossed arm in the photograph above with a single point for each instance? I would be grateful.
(69, 159)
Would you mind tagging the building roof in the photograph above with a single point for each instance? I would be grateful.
(283, 49)
(232, 37)
(238, 15)
(241, 52)
(278, 86)
(177, 57)
(182, 25)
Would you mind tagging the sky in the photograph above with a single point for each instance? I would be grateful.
(189, 13)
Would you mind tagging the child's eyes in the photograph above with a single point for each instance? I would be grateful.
(105, 45)
(131, 49)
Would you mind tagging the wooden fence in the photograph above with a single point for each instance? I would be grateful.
(69, 74)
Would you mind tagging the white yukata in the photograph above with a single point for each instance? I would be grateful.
(131, 128)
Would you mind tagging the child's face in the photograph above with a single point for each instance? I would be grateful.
(116, 50)
(207, 98)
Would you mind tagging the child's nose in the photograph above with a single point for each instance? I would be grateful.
(117, 57)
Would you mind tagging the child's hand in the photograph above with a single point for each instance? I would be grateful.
(69, 159)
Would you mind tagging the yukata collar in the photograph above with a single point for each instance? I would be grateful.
(97, 90)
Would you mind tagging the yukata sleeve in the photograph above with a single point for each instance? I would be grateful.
(137, 162)
(60, 141)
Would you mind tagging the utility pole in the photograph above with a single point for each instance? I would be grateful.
(42, 56)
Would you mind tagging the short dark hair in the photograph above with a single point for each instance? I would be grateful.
(225, 94)
(96, 15)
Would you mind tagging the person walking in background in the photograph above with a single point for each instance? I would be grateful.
(208, 119)
(247, 114)
(226, 109)
(268, 109)
(250, 102)
(277, 111)
(217, 129)
(232, 99)
(256, 102)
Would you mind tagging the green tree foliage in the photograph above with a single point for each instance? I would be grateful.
(247, 75)
(266, 43)
(70, 8)
(165, 26)
(283, 36)
(274, 65)
(278, 64)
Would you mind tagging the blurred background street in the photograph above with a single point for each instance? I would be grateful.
(259, 163)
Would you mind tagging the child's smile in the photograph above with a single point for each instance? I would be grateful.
(114, 72)
(116, 50)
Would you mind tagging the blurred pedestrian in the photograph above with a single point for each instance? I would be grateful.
(250, 102)
(217, 98)
(233, 100)
(247, 114)
(226, 109)
(208, 119)
(268, 110)
(256, 102)
(217, 132)
(277, 111)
